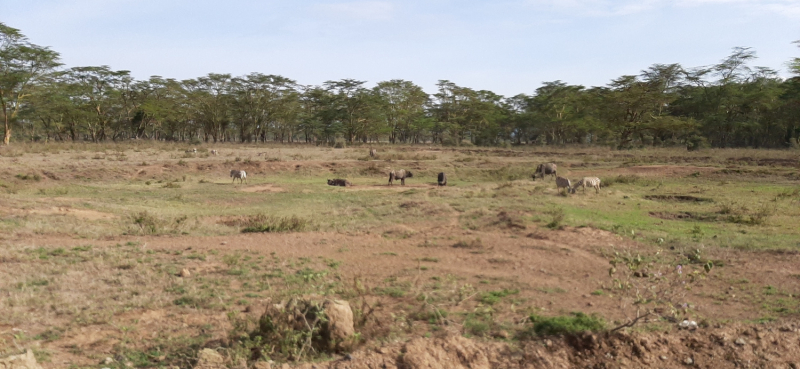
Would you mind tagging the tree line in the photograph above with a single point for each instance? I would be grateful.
(729, 104)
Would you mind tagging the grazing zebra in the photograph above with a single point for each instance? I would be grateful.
(373, 152)
(545, 169)
(214, 152)
(442, 179)
(562, 182)
(339, 182)
(242, 175)
(401, 174)
(587, 181)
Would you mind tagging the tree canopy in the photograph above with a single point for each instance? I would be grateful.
(730, 104)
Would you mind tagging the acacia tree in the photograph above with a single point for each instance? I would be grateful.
(403, 105)
(21, 65)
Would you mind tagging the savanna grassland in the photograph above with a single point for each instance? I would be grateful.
(96, 241)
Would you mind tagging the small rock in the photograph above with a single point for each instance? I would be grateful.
(262, 365)
(21, 361)
(185, 273)
(347, 357)
(209, 359)
(589, 304)
(548, 343)
(223, 243)
(688, 361)
(662, 357)
(740, 341)
(501, 334)
(108, 361)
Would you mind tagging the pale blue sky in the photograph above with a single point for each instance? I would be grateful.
(507, 46)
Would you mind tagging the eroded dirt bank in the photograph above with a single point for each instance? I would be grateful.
(734, 346)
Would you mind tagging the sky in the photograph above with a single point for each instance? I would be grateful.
(506, 46)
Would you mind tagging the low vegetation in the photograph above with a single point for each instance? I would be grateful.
(120, 246)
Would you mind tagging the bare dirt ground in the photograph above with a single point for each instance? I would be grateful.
(552, 271)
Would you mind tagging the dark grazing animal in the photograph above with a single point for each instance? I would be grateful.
(242, 175)
(545, 169)
(401, 174)
(442, 180)
(339, 182)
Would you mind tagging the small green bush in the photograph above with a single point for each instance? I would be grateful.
(493, 297)
(265, 223)
(576, 323)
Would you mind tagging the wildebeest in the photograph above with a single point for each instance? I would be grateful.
(401, 174)
(545, 169)
(442, 179)
(373, 152)
(562, 182)
(339, 182)
(587, 181)
(242, 175)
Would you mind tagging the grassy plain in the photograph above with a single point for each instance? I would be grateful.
(93, 239)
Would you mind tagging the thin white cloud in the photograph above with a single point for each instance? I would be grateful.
(358, 10)
(610, 8)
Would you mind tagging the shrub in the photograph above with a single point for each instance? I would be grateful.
(265, 223)
(559, 325)
(493, 297)
(556, 217)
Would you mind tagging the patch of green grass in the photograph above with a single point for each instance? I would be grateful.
(559, 325)
(493, 297)
(265, 223)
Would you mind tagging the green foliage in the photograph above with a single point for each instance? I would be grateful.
(269, 223)
(493, 297)
(556, 217)
(560, 325)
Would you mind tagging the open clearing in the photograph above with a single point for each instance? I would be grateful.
(93, 239)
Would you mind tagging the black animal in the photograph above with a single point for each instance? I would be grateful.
(401, 174)
(339, 182)
(545, 169)
(442, 180)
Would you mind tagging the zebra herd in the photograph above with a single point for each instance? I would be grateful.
(561, 182)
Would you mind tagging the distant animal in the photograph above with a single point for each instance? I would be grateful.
(587, 181)
(242, 175)
(545, 169)
(442, 179)
(214, 152)
(401, 174)
(191, 151)
(562, 182)
(373, 152)
(339, 182)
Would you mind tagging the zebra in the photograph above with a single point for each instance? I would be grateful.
(587, 181)
(562, 182)
(242, 175)
(401, 174)
(545, 169)
(442, 179)
(372, 152)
